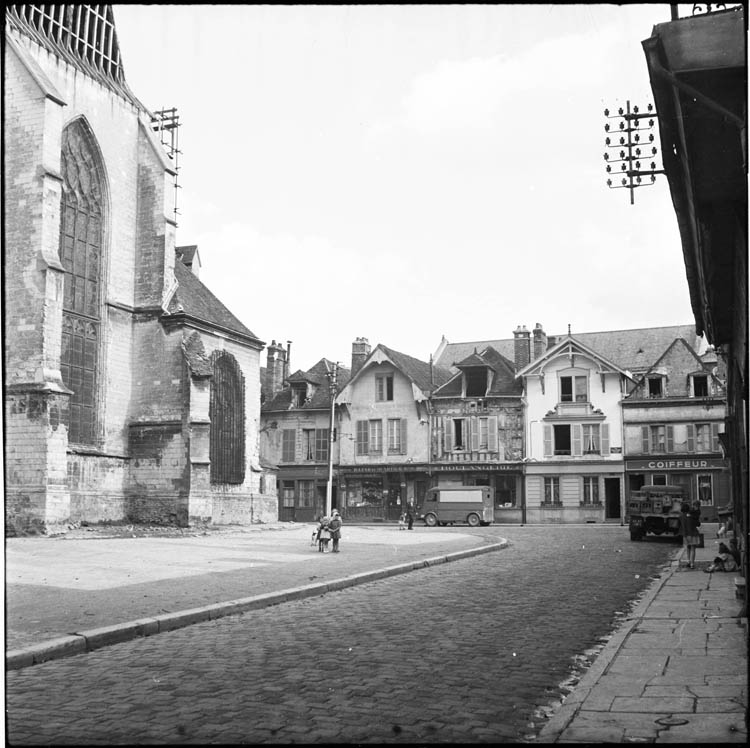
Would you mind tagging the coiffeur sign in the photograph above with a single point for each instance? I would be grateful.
(706, 464)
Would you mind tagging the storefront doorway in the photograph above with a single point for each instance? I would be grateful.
(612, 498)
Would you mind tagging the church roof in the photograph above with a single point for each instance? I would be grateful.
(193, 299)
(82, 35)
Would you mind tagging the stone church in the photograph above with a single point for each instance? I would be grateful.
(131, 392)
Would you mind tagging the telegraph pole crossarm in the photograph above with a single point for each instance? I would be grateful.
(631, 150)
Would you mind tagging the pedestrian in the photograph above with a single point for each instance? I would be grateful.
(324, 534)
(335, 529)
(689, 523)
(724, 561)
(409, 518)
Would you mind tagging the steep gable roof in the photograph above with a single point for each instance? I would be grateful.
(421, 373)
(193, 299)
(503, 379)
(568, 345)
(633, 350)
(321, 395)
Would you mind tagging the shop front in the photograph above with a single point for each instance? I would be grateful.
(378, 493)
(505, 480)
(705, 479)
(302, 493)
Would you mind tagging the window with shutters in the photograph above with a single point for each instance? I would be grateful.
(384, 387)
(658, 439)
(226, 412)
(562, 444)
(288, 445)
(376, 437)
(81, 241)
(459, 433)
(321, 445)
(591, 440)
(396, 436)
(308, 444)
(363, 437)
(576, 439)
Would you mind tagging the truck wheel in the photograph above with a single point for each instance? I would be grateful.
(473, 520)
(635, 535)
(430, 520)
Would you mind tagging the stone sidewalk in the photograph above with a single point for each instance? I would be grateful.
(675, 672)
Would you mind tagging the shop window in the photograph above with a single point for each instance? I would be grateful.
(81, 247)
(552, 490)
(505, 491)
(659, 480)
(226, 411)
(306, 493)
(705, 489)
(287, 493)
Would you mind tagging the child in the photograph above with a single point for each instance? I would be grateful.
(402, 522)
(324, 535)
(724, 561)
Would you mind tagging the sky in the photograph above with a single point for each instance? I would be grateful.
(405, 173)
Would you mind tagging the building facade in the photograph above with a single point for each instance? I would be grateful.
(131, 392)
(477, 431)
(295, 434)
(673, 418)
(383, 423)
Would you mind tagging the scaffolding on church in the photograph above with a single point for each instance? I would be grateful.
(166, 123)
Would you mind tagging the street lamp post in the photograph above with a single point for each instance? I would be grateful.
(331, 375)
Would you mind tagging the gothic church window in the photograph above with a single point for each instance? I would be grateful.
(227, 414)
(81, 238)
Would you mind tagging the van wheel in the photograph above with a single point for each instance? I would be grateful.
(473, 520)
(430, 520)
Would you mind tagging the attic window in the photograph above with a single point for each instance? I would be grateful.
(476, 382)
(700, 385)
(299, 395)
(655, 387)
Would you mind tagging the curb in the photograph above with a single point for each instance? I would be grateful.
(561, 719)
(91, 639)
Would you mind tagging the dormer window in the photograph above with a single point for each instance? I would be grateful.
(476, 382)
(655, 386)
(700, 385)
(299, 395)
(574, 389)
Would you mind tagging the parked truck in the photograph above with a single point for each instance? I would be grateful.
(655, 510)
(447, 505)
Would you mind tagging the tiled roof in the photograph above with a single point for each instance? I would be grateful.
(321, 397)
(193, 299)
(424, 375)
(634, 350)
(504, 381)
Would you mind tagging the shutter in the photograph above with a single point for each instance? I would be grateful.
(576, 435)
(547, 440)
(605, 438)
(670, 438)
(715, 437)
(474, 433)
(448, 435)
(492, 429)
(403, 423)
(644, 439)
(690, 437)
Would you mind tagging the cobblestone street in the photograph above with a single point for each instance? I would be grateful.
(462, 652)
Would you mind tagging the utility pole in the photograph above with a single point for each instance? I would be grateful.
(632, 123)
(332, 376)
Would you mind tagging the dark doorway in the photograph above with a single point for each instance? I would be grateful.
(612, 498)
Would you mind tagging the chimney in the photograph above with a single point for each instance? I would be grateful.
(275, 368)
(360, 351)
(522, 347)
(540, 341)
